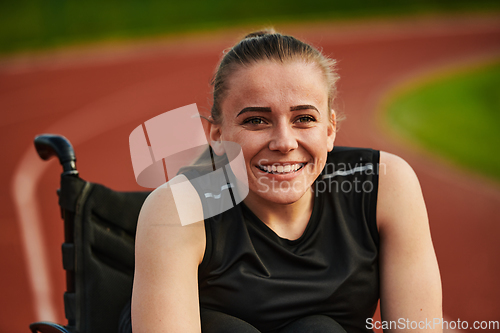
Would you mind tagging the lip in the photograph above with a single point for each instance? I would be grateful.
(281, 176)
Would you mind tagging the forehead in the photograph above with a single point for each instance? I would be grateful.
(273, 84)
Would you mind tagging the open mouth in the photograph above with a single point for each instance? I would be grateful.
(281, 169)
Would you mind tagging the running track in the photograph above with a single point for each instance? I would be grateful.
(95, 97)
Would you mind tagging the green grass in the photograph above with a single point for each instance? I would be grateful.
(457, 117)
(41, 24)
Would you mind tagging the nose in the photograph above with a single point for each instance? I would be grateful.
(283, 139)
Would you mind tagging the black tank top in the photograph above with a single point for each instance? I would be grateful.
(249, 272)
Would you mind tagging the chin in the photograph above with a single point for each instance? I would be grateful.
(280, 196)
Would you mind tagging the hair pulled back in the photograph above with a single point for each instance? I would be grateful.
(268, 45)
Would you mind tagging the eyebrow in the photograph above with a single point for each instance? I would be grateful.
(268, 109)
(304, 107)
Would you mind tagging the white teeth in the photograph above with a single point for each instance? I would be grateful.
(281, 168)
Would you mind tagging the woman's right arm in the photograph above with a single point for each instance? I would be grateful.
(167, 255)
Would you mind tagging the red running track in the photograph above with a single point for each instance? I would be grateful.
(97, 97)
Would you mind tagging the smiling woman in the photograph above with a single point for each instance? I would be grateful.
(323, 233)
(279, 122)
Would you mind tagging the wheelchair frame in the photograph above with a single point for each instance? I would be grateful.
(98, 248)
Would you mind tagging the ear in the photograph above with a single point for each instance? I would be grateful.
(214, 131)
(331, 131)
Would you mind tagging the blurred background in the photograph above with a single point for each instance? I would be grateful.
(35, 25)
(418, 78)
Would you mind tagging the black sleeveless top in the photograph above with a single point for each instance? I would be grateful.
(249, 272)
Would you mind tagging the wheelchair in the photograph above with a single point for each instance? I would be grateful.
(98, 248)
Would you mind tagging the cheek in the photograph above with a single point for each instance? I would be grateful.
(317, 148)
(316, 141)
(234, 133)
(251, 142)
(249, 151)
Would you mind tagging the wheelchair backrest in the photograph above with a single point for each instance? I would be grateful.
(102, 256)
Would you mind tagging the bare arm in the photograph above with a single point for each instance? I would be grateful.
(410, 280)
(165, 291)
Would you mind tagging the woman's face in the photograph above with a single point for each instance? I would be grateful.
(278, 114)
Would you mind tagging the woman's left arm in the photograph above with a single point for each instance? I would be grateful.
(410, 284)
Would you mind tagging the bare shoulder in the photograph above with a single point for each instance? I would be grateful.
(399, 190)
(165, 203)
(167, 255)
(395, 170)
(410, 285)
(162, 217)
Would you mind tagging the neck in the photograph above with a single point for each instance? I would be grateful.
(287, 220)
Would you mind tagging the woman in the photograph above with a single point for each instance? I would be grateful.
(322, 234)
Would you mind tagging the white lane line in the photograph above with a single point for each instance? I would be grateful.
(24, 185)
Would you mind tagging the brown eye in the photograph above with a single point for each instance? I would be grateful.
(305, 119)
(254, 121)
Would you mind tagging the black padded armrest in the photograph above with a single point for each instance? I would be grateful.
(47, 327)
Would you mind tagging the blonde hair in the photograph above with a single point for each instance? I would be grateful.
(268, 45)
